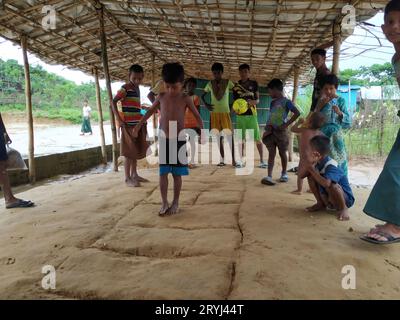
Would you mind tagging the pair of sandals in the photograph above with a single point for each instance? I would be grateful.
(20, 204)
(269, 182)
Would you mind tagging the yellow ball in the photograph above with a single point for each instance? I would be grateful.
(240, 106)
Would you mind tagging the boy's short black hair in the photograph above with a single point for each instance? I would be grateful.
(244, 66)
(173, 72)
(275, 84)
(136, 68)
(320, 52)
(330, 79)
(321, 144)
(393, 5)
(217, 67)
(191, 80)
(317, 120)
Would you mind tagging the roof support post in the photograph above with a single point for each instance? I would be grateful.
(100, 112)
(337, 42)
(154, 118)
(28, 99)
(104, 58)
(296, 77)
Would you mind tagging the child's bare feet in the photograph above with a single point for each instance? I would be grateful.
(164, 210)
(132, 183)
(297, 192)
(343, 215)
(174, 208)
(316, 207)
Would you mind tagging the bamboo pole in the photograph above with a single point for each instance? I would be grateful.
(28, 99)
(155, 119)
(108, 85)
(337, 42)
(296, 77)
(100, 111)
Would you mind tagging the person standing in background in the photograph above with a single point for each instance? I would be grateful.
(86, 111)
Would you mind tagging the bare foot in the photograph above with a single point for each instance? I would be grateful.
(343, 215)
(141, 179)
(296, 192)
(164, 210)
(309, 191)
(132, 183)
(316, 207)
(174, 208)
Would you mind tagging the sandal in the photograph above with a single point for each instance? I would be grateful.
(20, 204)
(284, 178)
(389, 238)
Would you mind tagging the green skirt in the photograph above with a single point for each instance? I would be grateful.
(384, 200)
(86, 127)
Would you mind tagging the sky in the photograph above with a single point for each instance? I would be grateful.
(372, 39)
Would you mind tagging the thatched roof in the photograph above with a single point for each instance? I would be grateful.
(272, 36)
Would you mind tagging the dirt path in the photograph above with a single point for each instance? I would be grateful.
(234, 239)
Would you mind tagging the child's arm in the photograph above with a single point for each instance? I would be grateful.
(296, 114)
(296, 127)
(325, 183)
(148, 114)
(121, 94)
(210, 107)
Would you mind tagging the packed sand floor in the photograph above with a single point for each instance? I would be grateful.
(233, 239)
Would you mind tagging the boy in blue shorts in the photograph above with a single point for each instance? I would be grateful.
(172, 138)
(327, 180)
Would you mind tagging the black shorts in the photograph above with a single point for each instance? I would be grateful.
(3, 150)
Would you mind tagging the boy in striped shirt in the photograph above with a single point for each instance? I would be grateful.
(128, 116)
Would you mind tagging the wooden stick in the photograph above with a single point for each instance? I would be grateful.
(337, 42)
(294, 97)
(155, 119)
(108, 85)
(100, 111)
(28, 98)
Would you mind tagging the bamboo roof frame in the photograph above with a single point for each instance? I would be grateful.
(274, 36)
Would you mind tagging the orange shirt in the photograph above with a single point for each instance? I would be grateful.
(190, 120)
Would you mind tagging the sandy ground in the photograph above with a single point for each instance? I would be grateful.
(234, 239)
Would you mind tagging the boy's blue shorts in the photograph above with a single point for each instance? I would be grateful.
(175, 170)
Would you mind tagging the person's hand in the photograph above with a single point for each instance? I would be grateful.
(7, 139)
(123, 124)
(210, 107)
(301, 121)
(324, 99)
(337, 111)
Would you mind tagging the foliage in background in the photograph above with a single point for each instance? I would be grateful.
(52, 96)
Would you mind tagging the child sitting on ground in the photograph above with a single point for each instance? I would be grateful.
(128, 118)
(172, 140)
(316, 121)
(327, 181)
(191, 126)
(276, 134)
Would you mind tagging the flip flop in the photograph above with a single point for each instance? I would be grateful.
(221, 164)
(263, 165)
(20, 204)
(390, 238)
(284, 178)
(267, 181)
